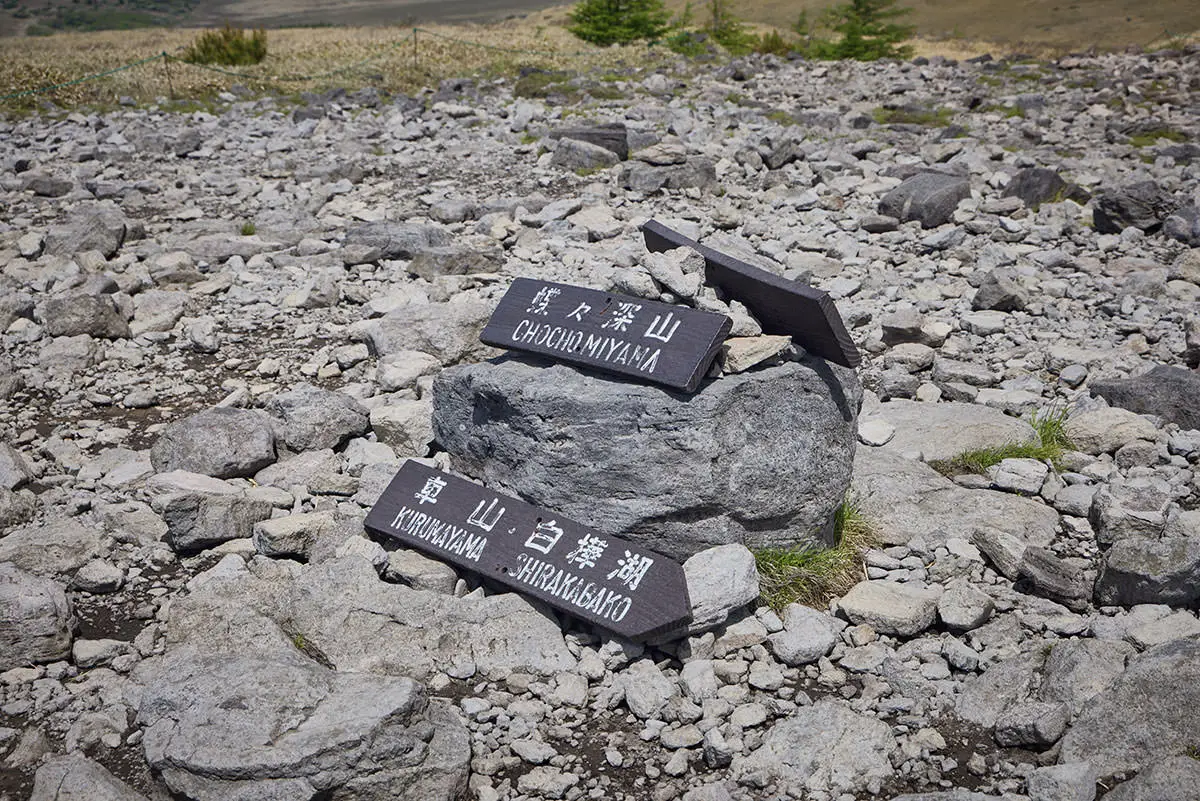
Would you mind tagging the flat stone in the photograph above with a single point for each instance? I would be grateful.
(74, 777)
(807, 635)
(890, 608)
(945, 430)
(1172, 779)
(739, 354)
(1106, 430)
(219, 442)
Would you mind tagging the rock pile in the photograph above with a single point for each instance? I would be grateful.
(196, 420)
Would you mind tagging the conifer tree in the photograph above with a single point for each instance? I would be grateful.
(606, 22)
(869, 30)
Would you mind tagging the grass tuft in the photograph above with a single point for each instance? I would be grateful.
(1050, 425)
(939, 117)
(812, 576)
(229, 46)
(249, 229)
(1150, 138)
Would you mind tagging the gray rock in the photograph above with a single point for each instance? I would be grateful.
(1000, 290)
(1076, 671)
(74, 777)
(821, 746)
(221, 442)
(16, 508)
(1135, 507)
(293, 536)
(697, 172)
(97, 577)
(393, 240)
(36, 619)
(945, 430)
(455, 260)
(1172, 627)
(1146, 715)
(1107, 429)
(1063, 580)
(930, 197)
(1037, 185)
(963, 607)
(199, 520)
(647, 690)
(1183, 225)
(1137, 571)
(420, 572)
(1023, 476)
(807, 635)
(906, 499)
(44, 185)
(529, 429)
(312, 419)
(1172, 779)
(986, 697)
(405, 426)
(55, 547)
(344, 611)
(720, 581)
(573, 154)
(72, 315)
(890, 608)
(101, 227)
(447, 331)
(278, 724)
(1074, 781)
(14, 469)
(1032, 723)
(547, 782)
(1141, 205)
(613, 137)
(1171, 393)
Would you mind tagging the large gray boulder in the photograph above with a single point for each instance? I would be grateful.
(1171, 393)
(277, 723)
(945, 430)
(396, 240)
(906, 499)
(100, 226)
(35, 619)
(1149, 713)
(1173, 779)
(342, 610)
(74, 314)
(220, 442)
(759, 458)
(1138, 570)
(930, 197)
(54, 547)
(1141, 205)
(312, 419)
(823, 746)
(74, 777)
(447, 331)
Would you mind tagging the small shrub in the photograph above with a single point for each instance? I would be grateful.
(691, 44)
(810, 575)
(771, 42)
(866, 31)
(606, 22)
(249, 228)
(229, 46)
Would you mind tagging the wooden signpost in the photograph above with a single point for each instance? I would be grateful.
(781, 305)
(651, 341)
(599, 578)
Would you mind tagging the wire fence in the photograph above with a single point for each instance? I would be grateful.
(410, 43)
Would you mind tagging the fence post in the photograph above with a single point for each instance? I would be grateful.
(167, 69)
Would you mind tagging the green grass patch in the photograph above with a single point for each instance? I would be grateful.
(938, 117)
(249, 229)
(810, 575)
(1004, 111)
(1052, 440)
(1151, 137)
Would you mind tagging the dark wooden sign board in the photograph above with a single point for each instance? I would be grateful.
(602, 579)
(645, 339)
(781, 305)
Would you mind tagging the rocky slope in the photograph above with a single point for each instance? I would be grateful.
(221, 332)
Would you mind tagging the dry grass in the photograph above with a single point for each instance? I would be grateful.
(295, 52)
